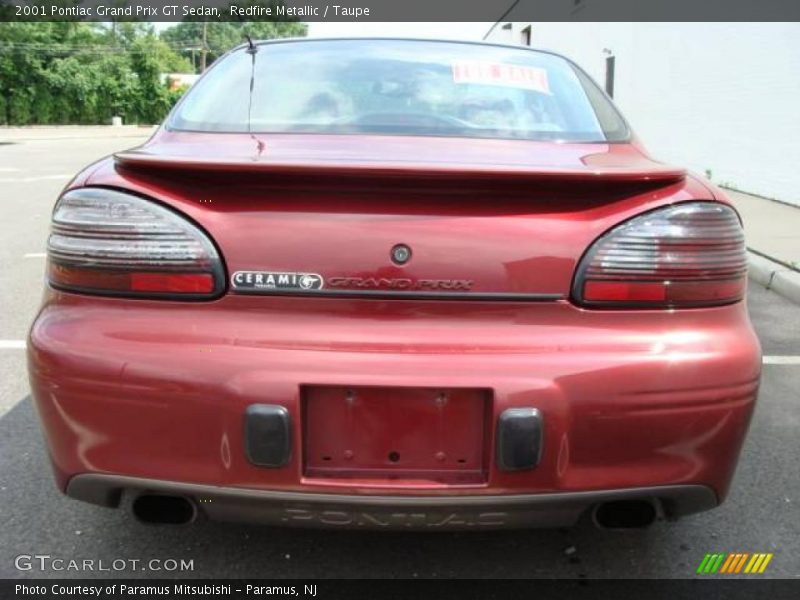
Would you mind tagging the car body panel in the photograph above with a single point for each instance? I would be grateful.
(496, 236)
(629, 398)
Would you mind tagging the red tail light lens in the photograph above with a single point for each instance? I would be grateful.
(109, 242)
(685, 255)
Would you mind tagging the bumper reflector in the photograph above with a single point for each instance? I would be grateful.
(267, 437)
(519, 439)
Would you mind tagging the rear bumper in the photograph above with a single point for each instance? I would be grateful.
(388, 512)
(160, 390)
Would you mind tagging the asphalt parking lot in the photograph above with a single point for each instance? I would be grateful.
(762, 513)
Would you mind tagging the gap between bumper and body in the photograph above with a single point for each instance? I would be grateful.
(388, 512)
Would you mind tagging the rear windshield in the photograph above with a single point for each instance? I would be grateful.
(400, 87)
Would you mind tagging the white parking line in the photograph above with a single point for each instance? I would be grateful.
(35, 255)
(12, 344)
(32, 179)
(782, 360)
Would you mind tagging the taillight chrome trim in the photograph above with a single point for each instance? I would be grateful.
(734, 277)
(146, 271)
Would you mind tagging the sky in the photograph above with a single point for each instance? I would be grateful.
(451, 31)
(448, 31)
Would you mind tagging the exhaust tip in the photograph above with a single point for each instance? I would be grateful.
(161, 509)
(625, 514)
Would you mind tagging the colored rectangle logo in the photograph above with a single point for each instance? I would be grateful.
(734, 563)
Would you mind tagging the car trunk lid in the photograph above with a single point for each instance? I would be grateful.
(483, 219)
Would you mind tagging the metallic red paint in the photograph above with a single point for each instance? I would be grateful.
(630, 398)
(473, 158)
(158, 389)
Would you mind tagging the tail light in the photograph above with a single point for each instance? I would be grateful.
(108, 242)
(685, 255)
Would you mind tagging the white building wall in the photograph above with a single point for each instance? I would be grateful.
(722, 97)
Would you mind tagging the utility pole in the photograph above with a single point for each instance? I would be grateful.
(204, 49)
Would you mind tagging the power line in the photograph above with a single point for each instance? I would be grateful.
(51, 49)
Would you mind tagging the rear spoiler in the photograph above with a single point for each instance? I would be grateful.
(646, 172)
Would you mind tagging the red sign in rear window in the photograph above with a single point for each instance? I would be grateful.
(492, 73)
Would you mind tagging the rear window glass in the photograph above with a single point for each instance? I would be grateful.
(400, 87)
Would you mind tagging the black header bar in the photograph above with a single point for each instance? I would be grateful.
(400, 10)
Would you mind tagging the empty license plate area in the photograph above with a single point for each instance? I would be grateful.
(391, 434)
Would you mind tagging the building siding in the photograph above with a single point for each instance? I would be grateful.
(722, 98)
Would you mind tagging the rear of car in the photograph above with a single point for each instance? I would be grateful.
(394, 284)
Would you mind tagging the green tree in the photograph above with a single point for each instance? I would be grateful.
(73, 72)
(193, 39)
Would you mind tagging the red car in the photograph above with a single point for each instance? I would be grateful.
(394, 284)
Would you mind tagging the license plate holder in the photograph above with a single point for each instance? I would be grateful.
(396, 433)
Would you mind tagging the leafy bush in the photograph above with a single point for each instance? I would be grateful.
(82, 73)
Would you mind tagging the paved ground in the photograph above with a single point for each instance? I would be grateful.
(762, 513)
(34, 166)
(770, 227)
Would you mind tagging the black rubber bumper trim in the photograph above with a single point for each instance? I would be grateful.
(389, 512)
(519, 439)
(267, 435)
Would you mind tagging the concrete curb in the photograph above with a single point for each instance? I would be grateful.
(774, 276)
